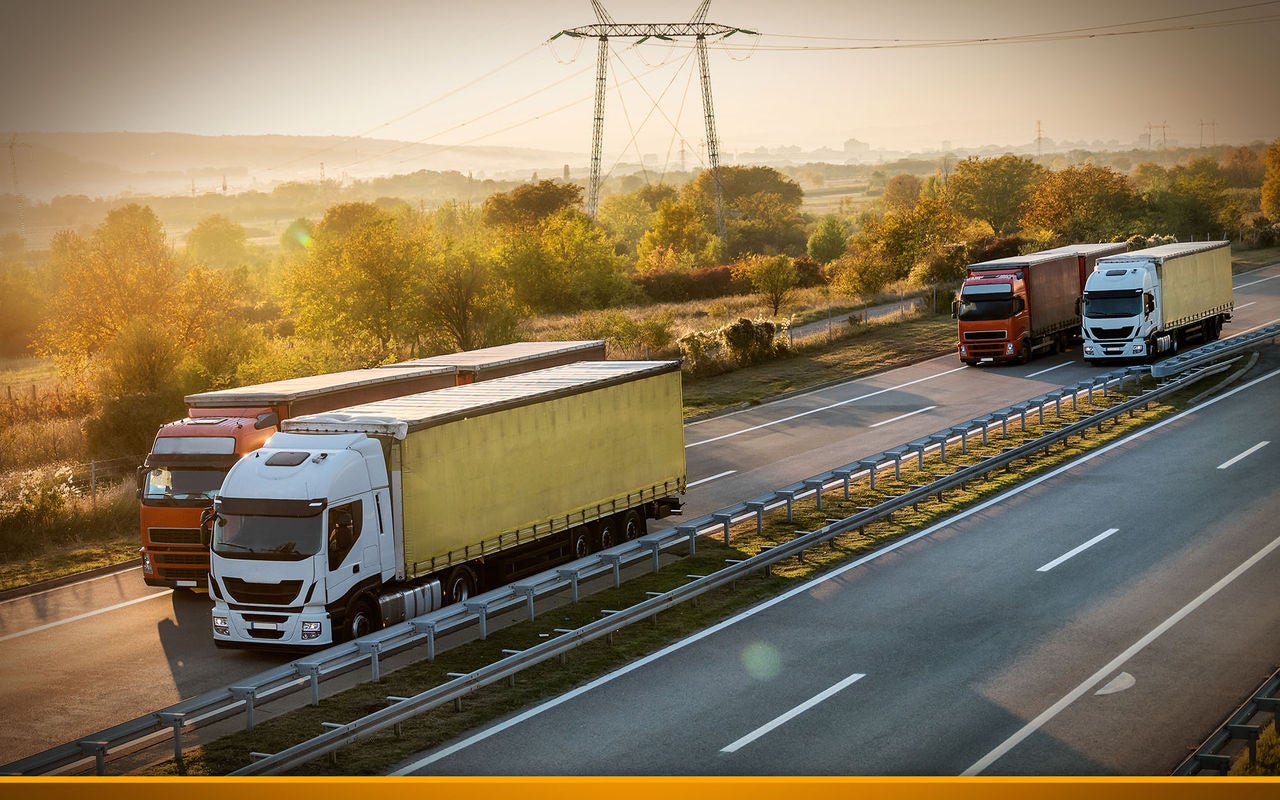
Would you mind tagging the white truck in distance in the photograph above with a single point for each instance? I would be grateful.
(359, 518)
(1147, 302)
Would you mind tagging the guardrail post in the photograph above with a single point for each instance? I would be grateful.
(816, 485)
(528, 590)
(941, 440)
(175, 720)
(429, 628)
(248, 693)
(312, 669)
(615, 560)
(789, 496)
(570, 575)
(963, 433)
(481, 609)
(690, 532)
(98, 750)
(757, 507)
(1250, 734)
(374, 649)
(725, 520)
(870, 464)
(396, 728)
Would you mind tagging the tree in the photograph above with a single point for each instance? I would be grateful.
(1189, 200)
(136, 388)
(1083, 204)
(361, 284)
(466, 300)
(994, 190)
(562, 265)
(218, 242)
(530, 203)
(1271, 183)
(678, 228)
(901, 192)
(124, 270)
(625, 217)
(829, 240)
(775, 277)
(762, 209)
(22, 306)
(297, 237)
(1242, 168)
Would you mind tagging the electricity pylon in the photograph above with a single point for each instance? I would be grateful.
(697, 29)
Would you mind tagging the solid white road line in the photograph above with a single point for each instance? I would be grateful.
(1230, 462)
(902, 416)
(1051, 369)
(86, 615)
(1078, 550)
(1246, 305)
(824, 408)
(793, 713)
(1075, 694)
(712, 478)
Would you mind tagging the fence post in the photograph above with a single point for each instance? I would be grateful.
(93, 484)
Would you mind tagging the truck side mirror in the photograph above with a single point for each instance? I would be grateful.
(1151, 303)
(207, 518)
(268, 420)
(955, 309)
(1079, 304)
(139, 479)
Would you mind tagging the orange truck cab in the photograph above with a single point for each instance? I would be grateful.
(190, 457)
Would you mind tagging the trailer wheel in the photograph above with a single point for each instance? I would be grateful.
(361, 620)
(607, 533)
(579, 543)
(460, 585)
(633, 526)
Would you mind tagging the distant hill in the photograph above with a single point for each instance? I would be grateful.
(113, 164)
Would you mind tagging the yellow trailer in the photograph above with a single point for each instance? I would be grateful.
(432, 497)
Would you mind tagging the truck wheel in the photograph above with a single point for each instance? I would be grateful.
(1024, 354)
(460, 585)
(633, 526)
(579, 543)
(607, 533)
(362, 620)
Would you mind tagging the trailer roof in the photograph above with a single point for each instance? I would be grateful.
(1166, 251)
(1090, 249)
(292, 389)
(503, 354)
(1014, 262)
(399, 415)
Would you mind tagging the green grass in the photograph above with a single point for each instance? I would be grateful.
(433, 728)
(1243, 260)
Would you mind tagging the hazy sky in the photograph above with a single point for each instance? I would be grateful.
(481, 73)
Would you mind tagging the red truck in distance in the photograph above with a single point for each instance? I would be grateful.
(1012, 309)
(190, 457)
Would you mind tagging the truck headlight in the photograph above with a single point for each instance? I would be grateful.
(1088, 349)
(311, 630)
(220, 626)
(964, 351)
(147, 567)
(1138, 347)
(1008, 349)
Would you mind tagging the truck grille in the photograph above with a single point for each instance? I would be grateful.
(275, 594)
(971, 336)
(1102, 334)
(174, 535)
(182, 573)
(165, 559)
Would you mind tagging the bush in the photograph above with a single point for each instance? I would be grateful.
(752, 342)
(42, 508)
(698, 284)
(1268, 756)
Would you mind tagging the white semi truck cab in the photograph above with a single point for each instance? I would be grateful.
(301, 524)
(1120, 312)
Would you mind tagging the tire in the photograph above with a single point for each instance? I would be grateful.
(579, 543)
(460, 585)
(361, 620)
(633, 525)
(607, 533)
(1024, 355)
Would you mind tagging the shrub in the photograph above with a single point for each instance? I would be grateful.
(752, 342)
(41, 509)
(1268, 755)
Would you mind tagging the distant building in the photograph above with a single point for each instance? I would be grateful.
(854, 147)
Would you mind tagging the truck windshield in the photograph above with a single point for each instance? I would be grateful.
(182, 483)
(985, 307)
(1104, 307)
(284, 538)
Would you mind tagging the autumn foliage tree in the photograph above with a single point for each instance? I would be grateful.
(1082, 204)
(1271, 183)
(773, 277)
(994, 190)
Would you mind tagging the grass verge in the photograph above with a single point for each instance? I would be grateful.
(431, 729)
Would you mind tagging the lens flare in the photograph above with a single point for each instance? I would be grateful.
(761, 661)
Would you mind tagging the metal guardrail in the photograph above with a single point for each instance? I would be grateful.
(1241, 726)
(1215, 351)
(423, 631)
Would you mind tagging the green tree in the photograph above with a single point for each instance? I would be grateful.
(1189, 201)
(774, 277)
(994, 190)
(1083, 204)
(22, 302)
(123, 270)
(136, 388)
(625, 217)
(679, 228)
(466, 300)
(1242, 168)
(829, 240)
(530, 203)
(1271, 183)
(361, 284)
(562, 265)
(762, 209)
(218, 242)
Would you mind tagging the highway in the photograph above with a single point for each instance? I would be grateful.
(92, 654)
(1099, 621)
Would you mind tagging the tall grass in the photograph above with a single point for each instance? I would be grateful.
(41, 511)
